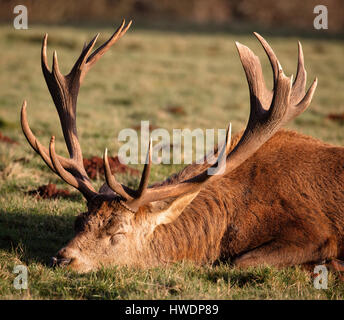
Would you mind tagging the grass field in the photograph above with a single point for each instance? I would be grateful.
(140, 78)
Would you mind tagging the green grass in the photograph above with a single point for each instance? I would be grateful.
(140, 78)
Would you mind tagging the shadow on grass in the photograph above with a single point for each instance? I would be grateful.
(239, 278)
(35, 237)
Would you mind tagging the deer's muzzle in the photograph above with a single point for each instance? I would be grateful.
(60, 262)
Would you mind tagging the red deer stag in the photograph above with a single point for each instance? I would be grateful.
(279, 201)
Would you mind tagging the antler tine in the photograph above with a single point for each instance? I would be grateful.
(265, 95)
(146, 172)
(113, 183)
(261, 119)
(34, 142)
(271, 55)
(80, 69)
(44, 59)
(56, 70)
(299, 84)
(87, 60)
(299, 101)
(142, 190)
(45, 157)
(298, 90)
(96, 55)
(304, 103)
(218, 166)
(83, 186)
(222, 155)
(259, 99)
(133, 196)
(65, 175)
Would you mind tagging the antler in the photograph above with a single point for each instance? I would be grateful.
(64, 91)
(270, 110)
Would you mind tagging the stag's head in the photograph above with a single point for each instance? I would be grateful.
(120, 221)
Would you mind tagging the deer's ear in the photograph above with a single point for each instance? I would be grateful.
(174, 210)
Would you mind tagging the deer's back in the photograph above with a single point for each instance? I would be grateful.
(293, 186)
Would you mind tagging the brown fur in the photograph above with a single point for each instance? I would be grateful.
(283, 206)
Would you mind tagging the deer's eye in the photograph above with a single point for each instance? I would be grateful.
(117, 237)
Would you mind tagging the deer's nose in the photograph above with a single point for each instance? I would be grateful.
(62, 258)
(60, 262)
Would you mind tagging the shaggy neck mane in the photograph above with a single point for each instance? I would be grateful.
(196, 234)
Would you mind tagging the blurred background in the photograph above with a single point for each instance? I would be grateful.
(291, 14)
